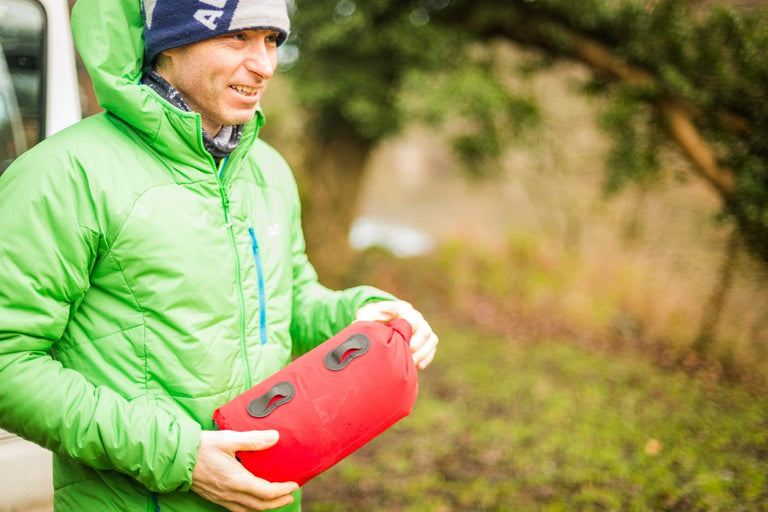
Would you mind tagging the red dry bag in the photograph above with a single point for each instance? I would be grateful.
(328, 402)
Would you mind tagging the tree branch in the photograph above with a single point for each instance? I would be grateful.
(680, 124)
(683, 131)
(599, 58)
(679, 115)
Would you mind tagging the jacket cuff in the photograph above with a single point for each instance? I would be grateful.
(179, 475)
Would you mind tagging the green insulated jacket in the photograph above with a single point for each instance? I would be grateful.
(141, 287)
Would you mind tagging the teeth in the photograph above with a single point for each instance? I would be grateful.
(245, 90)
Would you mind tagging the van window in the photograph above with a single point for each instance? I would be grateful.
(22, 56)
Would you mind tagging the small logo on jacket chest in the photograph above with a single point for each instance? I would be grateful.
(274, 230)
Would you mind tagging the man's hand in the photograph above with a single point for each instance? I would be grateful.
(423, 342)
(220, 478)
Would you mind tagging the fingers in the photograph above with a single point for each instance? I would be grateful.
(247, 502)
(424, 353)
(252, 490)
(378, 311)
(219, 477)
(259, 494)
(423, 342)
(253, 440)
(385, 311)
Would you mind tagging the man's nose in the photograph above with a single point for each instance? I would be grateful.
(260, 60)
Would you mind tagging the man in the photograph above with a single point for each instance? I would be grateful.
(152, 265)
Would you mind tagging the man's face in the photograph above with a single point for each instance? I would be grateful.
(222, 78)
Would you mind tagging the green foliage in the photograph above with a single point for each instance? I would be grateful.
(636, 132)
(706, 58)
(367, 68)
(471, 96)
(370, 67)
(352, 59)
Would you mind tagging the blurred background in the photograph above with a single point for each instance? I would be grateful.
(575, 194)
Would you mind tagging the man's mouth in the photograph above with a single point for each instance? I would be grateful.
(245, 90)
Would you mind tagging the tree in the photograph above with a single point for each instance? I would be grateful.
(677, 72)
(359, 70)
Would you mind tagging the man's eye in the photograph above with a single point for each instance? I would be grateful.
(273, 38)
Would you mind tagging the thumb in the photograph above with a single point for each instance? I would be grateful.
(253, 440)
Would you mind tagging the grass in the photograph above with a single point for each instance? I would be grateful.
(506, 425)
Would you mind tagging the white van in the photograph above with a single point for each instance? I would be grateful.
(39, 95)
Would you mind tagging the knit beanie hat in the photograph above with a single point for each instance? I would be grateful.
(172, 23)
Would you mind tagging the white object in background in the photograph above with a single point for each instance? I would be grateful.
(62, 104)
(401, 240)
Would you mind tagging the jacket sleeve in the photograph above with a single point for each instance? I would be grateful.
(318, 312)
(49, 243)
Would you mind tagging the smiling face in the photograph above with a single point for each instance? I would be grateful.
(222, 78)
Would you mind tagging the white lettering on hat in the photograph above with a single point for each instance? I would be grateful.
(149, 8)
(208, 17)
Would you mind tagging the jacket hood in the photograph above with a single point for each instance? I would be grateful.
(109, 36)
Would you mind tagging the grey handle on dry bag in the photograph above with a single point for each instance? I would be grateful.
(279, 394)
(354, 346)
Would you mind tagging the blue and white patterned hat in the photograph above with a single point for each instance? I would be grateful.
(172, 23)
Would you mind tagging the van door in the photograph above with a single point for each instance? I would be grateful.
(21, 76)
(12, 139)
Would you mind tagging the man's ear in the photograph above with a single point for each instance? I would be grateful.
(163, 61)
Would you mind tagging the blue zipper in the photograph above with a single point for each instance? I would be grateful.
(262, 298)
(222, 165)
